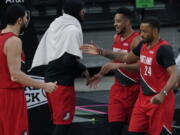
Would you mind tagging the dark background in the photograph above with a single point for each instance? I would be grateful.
(97, 26)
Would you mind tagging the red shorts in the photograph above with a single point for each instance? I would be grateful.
(62, 104)
(121, 102)
(13, 112)
(152, 118)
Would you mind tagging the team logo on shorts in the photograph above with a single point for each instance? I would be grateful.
(25, 133)
(67, 116)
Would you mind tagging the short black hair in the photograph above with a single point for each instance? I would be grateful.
(152, 21)
(126, 12)
(14, 12)
(73, 7)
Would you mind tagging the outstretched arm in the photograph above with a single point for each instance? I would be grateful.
(123, 57)
(113, 66)
(95, 80)
(13, 50)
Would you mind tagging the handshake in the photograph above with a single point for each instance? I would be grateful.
(94, 81)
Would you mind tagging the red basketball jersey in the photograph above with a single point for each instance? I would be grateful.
(123, 76)
(153, 75)
(5, 78)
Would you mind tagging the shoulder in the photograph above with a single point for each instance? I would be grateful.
(165, 49)
(13, 39)
(114, 37)
(72, 28)
(164, 42)
(13, 42)
(72, 31)
(136, 40)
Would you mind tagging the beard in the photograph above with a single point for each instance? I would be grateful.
(147, 40)
(122, 31)
(23, 28)
(79, 18)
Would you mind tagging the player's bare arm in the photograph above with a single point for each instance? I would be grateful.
(159, 98)
(172, 70)
(135, 42)
(13, 50)
(124, 57)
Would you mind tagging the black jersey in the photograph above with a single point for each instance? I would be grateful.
(164, 57)
(64, 70)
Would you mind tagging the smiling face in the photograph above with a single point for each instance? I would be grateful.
(120, 23)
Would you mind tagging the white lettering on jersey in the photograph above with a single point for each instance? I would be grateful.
(125, 44)
(146, 60)
(147, 71)
(119, 50)
(151, 52)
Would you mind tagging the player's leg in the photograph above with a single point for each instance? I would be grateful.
(62, 106)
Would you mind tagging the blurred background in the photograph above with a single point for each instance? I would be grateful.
(98, 24)
(97, 28)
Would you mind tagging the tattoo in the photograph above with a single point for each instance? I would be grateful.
(113, 55)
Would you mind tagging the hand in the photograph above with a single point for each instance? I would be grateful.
(86, 74)
(110, 66)
(178, 84)
(50, 87)
(94, 81)
(158, 99)
(90, 49)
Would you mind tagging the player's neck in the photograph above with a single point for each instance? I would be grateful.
(127, 33)
(11, 28)
(154, 41)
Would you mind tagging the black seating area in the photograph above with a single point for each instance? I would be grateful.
(99, 13)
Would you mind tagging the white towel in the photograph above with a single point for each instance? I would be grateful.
(63, 35)
(178, 64)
